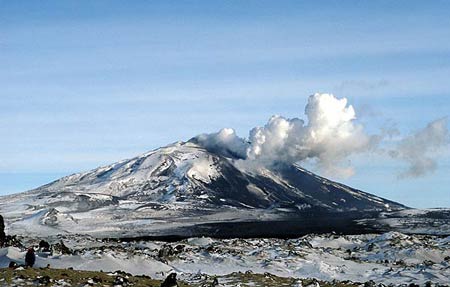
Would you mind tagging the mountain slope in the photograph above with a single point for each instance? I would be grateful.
(172, 189)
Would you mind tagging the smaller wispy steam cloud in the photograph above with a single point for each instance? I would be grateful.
(327, 137)
(225, 142)
(419, 149)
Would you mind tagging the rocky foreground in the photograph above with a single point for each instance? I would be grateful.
(389, 259)
(70, 277)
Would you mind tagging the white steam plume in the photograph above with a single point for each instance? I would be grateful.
(419, 149)
(327, 137)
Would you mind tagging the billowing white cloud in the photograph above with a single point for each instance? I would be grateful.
(419, 149)
(328, 136)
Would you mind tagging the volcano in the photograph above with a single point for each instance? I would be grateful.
(185, 190)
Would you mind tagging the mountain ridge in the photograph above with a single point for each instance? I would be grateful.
(177, 187)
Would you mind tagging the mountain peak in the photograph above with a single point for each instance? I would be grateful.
(180, 183)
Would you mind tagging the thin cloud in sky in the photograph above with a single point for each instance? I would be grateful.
(420, 148)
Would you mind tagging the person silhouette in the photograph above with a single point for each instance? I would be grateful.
(30, 257)
(2, 231)
(170, 281)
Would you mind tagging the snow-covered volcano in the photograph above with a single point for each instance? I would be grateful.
(179, 190)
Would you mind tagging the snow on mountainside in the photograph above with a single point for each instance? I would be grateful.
(169, 190)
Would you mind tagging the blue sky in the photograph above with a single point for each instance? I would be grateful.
(86, 83)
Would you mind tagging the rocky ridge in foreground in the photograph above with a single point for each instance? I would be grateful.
(390, 259)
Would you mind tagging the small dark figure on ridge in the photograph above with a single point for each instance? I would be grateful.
(170, 281)
(30, 257)
(2, 231)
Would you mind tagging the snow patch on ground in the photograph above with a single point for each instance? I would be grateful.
(391, 258)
